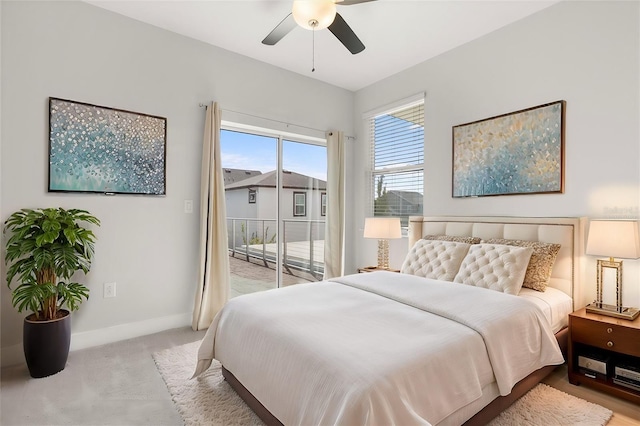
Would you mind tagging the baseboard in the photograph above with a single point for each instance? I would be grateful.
(14, 354)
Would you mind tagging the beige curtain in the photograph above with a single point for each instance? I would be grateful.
(334, 229)
(213, 278)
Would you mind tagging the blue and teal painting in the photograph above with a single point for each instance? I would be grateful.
(517, 153)
(99, 149)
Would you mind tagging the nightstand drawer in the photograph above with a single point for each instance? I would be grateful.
(612, 337)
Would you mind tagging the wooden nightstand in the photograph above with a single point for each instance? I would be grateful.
(613, 341)
(375, 268)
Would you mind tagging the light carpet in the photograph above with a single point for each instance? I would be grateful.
(209, 400)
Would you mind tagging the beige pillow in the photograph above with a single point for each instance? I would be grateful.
(496, 267)
(439, 260)
(541, 262)
(467, 240)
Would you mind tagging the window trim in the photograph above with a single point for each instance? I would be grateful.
(304, 194)
(418, 98)
(368, 118)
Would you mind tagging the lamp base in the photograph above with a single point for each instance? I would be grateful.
(383, 254)
(613, 311)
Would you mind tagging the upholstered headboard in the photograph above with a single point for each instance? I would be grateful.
(568, 232)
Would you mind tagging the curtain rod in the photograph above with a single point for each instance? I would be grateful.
(201, 105)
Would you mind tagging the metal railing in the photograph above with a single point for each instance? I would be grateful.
(302, 245)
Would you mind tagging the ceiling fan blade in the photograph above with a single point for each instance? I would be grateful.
(345, 34)
(350, 2)
(282, 29)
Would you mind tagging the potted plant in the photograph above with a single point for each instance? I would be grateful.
(45, 248)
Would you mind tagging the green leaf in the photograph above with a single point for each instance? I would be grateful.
(71, 235)
(49, 225)
(31, 296)
(85, 216)
(66, 261)
(43, 258)
(40, 240)
(72, 294)
(23, 268)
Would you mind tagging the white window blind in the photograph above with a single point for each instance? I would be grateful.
(397, 159)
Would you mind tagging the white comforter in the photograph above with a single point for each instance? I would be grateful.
(377, 348)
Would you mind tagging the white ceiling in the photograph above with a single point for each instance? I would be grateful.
(397, 33)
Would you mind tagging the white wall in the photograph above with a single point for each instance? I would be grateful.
(586, 53)
(147, 245)
(237, 202)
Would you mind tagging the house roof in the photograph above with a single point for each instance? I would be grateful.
(236, 175)
(410, 197)
(291, 180)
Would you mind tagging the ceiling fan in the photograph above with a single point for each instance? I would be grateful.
(316, 15)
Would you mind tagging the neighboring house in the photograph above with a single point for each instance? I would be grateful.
(399, 203)
(254, 198)
(234, 175)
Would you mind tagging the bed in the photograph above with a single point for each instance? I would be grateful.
(385, 348)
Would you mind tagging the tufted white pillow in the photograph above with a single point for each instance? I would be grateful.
(439, 260)
(494, 266)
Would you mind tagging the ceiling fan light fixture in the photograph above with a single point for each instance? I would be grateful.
(314, 14)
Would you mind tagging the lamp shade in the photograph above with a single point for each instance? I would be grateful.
(614, 238)
(314, 14)
(382, 227)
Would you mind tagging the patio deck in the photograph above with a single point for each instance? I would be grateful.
(251, 276)
(296, 254)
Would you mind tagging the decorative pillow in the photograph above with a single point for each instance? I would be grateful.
(439, 260)
(468, 240)
(494, 266)
(541, 262)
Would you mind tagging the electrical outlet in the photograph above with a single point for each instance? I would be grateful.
(109, 290)
(188, 206)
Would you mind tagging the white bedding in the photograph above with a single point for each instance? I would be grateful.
(346, 352)
(554, 304)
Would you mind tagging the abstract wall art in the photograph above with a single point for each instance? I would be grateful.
(517, 153)
(105, 150)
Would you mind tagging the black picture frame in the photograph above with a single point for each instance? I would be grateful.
(98, 149)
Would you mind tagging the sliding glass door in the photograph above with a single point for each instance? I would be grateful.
(275, 191)
(303, 211)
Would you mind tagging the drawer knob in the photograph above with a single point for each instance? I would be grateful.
(610, 343)
(609, 330)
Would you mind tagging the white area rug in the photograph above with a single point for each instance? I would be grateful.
(209, 400)
(544, 405)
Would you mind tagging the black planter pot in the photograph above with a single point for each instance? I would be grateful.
(46, 344)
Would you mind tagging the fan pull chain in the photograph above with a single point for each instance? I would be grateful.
(313, 50)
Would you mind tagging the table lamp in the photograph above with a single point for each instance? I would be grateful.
(613, 238)
(382, 228)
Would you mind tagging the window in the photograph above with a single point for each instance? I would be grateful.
(252, 196)
(299, 203)
(397, 161)
(323, 204)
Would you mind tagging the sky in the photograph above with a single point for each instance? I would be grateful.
(254, 152)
